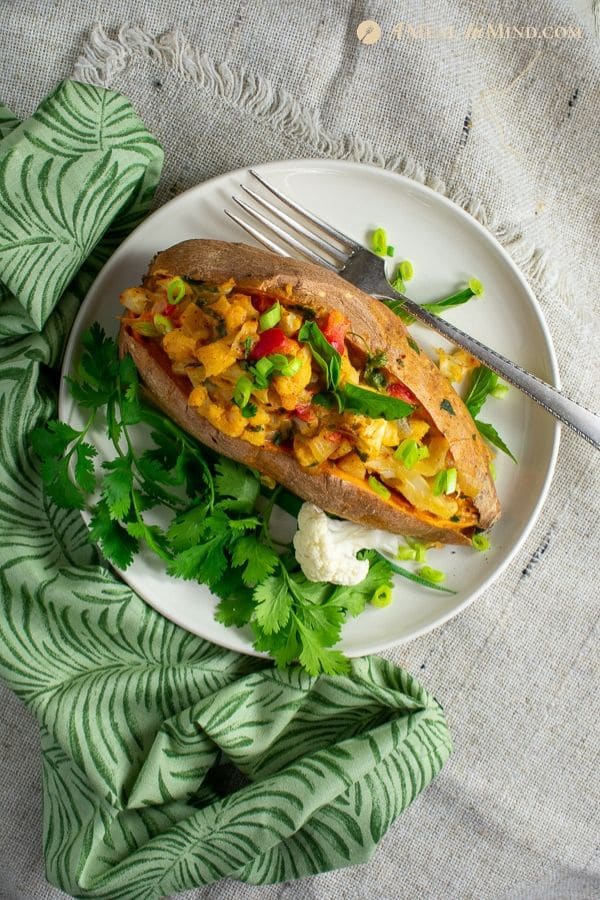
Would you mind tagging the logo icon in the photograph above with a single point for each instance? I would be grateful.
(368, 32)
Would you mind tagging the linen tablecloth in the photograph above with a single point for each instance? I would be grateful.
(506, 126)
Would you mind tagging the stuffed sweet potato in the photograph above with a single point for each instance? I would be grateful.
(286, 367)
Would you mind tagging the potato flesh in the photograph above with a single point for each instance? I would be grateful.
(213, 328)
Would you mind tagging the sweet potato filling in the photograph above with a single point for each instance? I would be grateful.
(255, 374)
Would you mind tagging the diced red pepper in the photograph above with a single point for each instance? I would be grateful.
(261, 303)
(401, 392)
(273, 340)
(334, 327)
(304, 412)
(170, 309)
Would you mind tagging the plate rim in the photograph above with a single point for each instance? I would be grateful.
(488, 236)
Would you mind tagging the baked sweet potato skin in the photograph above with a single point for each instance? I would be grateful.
(299, 282)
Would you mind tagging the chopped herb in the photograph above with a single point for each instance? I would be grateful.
(163, 324)
(372, 404)
(382, 597)
(249, 410)
(379, 242)
(373, 373)
(412, 576)
(445, 404)
(455, 518)
(481, 542)
(389, 251)
(488, 432)
(242, 391)
(326, 356)
(379, 488)
(432, 575)
(406, 270)
(410, 452)
(473, 289)
(175, 291)
(445, 482)
(291, 368)
(413, 344)
(270, 317)
(247, 347)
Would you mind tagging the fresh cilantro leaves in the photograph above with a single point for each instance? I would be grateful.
(218, 533)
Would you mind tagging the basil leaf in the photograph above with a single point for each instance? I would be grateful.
(484, 382)
(490, 434)
(324, 354)
(374, 405)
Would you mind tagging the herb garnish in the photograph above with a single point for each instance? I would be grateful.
(485, 384)
(218, 534)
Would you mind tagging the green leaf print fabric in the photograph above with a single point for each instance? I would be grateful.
(168, 762)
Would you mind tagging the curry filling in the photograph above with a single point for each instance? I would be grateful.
(275, 374)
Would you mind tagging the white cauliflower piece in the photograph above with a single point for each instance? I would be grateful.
(326, 548)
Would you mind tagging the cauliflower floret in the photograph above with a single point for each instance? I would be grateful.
(326, 548)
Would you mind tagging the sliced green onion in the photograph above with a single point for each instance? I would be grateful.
(499, 391)
(271, 317)
(476, 286)
(175, 291)
(247, 347)
(249, 410)
(379, 242)
(163, 324)
(406, 270)
(409, 452)
(432, 575)
(147, 329)
(379, 488)
(493, 471)
(278, 360)
(406, 553)
(420, 549)
(382, 596)
(292, 367)
(481, 542)
(445, 482)
(398, 284)
(242, 391)
(389, 250)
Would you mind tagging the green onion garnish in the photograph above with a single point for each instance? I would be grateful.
(406, 270)
(419, 548)
(271, 317)
(445, 482)
(389, 250)
(406, 553)
(379, 242)
(163, 324)
(175, 291)
(475, 286)
(432, 575)
(481, 542)
(382, 596)
(242, 391)
(499, 391)
(292, 367)
(379, 488)
(409, 452)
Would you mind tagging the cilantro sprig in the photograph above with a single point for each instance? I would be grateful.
(219, 528)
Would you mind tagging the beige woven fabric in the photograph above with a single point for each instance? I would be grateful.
(508, 127)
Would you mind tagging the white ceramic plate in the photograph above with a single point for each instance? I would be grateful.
(447, 247)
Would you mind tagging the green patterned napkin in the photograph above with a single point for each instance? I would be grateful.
(168, 762)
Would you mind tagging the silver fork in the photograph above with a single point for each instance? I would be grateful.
(366, 270)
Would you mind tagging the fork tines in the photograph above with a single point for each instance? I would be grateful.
(294, 234)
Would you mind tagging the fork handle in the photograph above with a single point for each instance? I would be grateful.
(581, 420)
